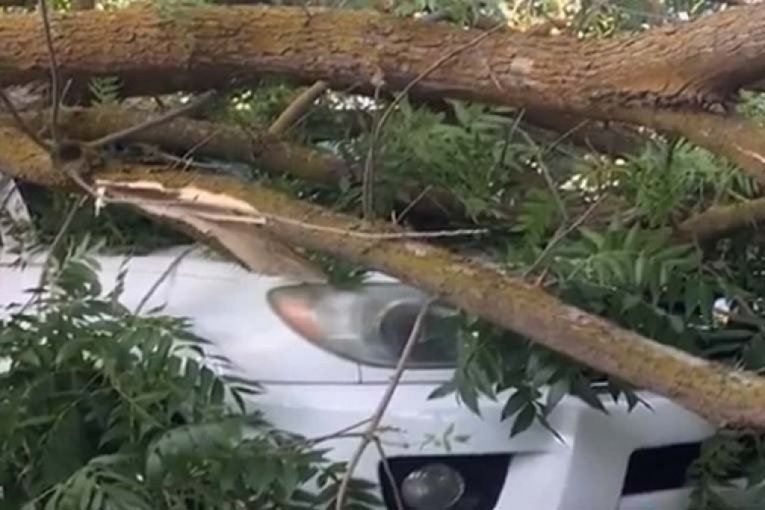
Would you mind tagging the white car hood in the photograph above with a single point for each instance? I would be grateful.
(226, 305)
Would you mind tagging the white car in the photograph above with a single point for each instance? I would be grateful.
(325, 357)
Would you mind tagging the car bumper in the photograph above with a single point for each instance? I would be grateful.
(583, 470)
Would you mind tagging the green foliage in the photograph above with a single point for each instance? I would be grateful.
(456, 11)
(259, 108)
(105, 90)
(104, 409)
(493, 364)
(730, 472)
(669, 181)
(752, 105)
(119, 229)
(340, 273)
(466, 151)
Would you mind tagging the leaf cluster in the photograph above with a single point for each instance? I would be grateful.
(104, 409)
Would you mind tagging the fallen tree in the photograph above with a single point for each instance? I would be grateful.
(722, 394)
(679, 80)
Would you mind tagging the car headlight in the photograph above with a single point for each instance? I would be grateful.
(369, 324)
(433, 487)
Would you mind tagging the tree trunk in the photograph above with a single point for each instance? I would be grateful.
(157, 49)
(665, 78)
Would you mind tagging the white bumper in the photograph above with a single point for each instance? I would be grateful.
(585, 472)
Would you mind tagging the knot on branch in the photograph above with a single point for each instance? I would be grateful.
(67, 151)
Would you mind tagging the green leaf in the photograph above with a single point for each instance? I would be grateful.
(630, 301)
(443, 390)
(523, 421)
(640, 269)
(593, 237)
(514, 404)
(582, 389)
(555, 394)
(218, 392)
(676, 322)
(192, 371)
(469, 396)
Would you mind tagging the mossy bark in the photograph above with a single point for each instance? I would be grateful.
(206, 139)
(670, 78)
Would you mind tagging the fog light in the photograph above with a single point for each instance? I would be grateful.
(432, 487)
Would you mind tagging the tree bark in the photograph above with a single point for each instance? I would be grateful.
(720, 221)
(664, 78)
(205, 139)
(691, 64)
(719, 393)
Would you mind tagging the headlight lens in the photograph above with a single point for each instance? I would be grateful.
(433, 487)
(369, 324)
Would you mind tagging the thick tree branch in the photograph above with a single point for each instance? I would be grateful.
(606, 137)
(680, 65)
(299, 106)
(720, 221)
(732, 137)
(662, 78)
(717, 392)
(207, 139)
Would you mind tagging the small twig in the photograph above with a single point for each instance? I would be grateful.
(187, 156)
(343, 432)
(64, 92)
(389, 474)
(509, 132)
(150, 123)
(377, 236)
(368, 178)
(170, 268)
(261, 218)
(369, 163)
(377, 416)
(20, 122)
(183, 161)
(297, 108)
(55, 145)
(54, 78)
(361, 235)
(563, 136)
(60, 235)
(561, 235)
(414, 202)
(547, 177)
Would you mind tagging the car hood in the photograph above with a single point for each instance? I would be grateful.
(226, 305)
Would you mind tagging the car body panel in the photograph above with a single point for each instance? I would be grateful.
(314, 393)
(225, 302)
